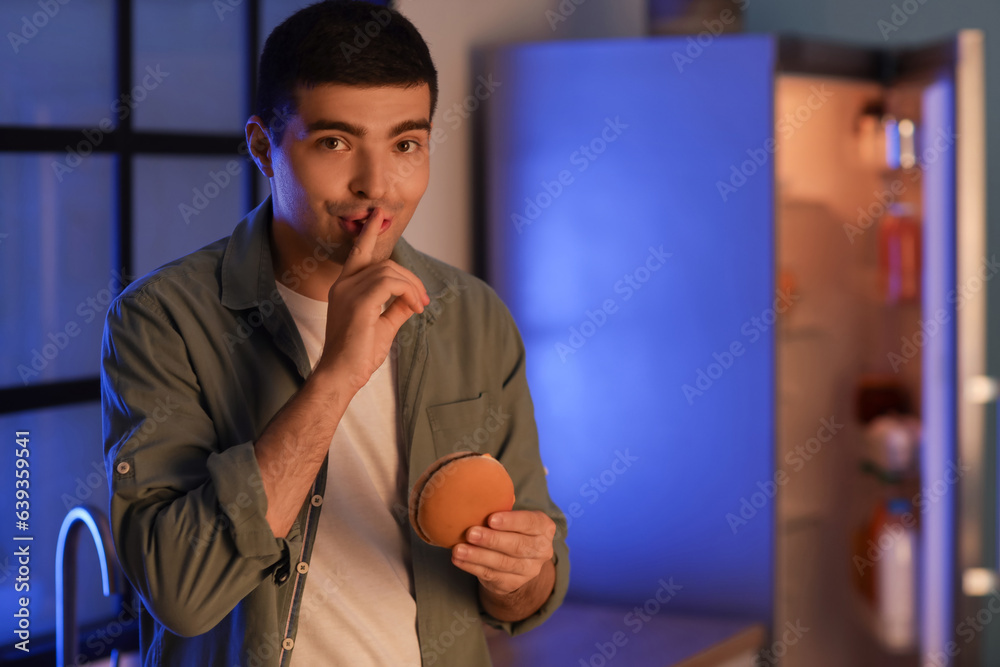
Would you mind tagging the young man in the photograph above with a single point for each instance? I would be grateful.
(270, 398)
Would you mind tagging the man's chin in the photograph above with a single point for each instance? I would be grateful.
(382, 253)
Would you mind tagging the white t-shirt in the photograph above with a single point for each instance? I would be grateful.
(358, 607)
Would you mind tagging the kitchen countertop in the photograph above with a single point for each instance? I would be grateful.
(591, 635)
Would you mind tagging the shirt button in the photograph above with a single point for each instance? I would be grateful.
(316, 500)
(302, 567)
(288, 644)
(123, 467)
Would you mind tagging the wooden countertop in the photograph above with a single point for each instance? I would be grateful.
(590, 635)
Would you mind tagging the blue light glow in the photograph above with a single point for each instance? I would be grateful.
(627, 270)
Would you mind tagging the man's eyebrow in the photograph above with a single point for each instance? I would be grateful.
(350, 128)
(358, 131)
(409, 126)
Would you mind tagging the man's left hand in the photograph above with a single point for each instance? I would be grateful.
(508, 554)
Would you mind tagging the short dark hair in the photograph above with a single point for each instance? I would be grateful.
(339, 41)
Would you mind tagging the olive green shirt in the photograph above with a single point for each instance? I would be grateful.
(198, 356)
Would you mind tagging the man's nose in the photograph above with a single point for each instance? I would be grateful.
(370, 180)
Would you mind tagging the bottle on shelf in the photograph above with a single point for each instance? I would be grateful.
(886, 542)
(896, 577)
(899, 254)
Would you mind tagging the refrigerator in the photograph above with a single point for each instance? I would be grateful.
(727, 256)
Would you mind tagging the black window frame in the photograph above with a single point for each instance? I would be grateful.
(126, 143)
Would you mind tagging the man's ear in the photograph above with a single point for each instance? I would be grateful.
(259, 143)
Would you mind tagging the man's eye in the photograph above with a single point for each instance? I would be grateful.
(407, 146)
(333, 143)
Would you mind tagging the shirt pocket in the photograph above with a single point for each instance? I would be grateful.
(462, 426)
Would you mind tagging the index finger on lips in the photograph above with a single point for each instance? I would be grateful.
(361, 253)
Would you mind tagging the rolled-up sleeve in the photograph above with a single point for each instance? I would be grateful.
(187, 511)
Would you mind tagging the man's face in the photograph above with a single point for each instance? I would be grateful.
(345, 152)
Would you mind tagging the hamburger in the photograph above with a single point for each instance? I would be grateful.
(457, 492)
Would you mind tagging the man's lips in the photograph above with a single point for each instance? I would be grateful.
(354, 224)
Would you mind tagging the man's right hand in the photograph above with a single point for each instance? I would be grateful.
(358, 333)
(292, 448)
